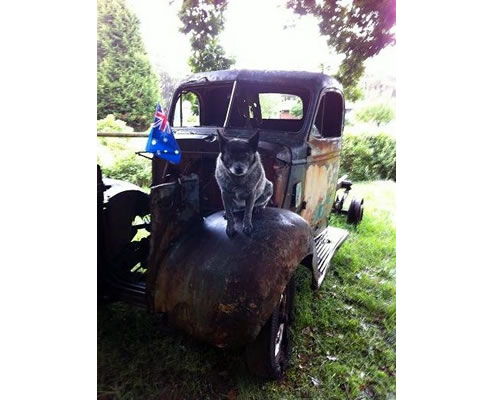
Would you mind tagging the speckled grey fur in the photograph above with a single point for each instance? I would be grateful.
(241, 192)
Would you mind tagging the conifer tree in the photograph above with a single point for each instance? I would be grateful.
(127, 87)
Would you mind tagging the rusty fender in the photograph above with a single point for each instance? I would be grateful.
(223, 290)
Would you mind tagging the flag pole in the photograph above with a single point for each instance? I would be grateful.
(165, 170)
(167, 162)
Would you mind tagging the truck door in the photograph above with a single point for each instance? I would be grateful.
(323, 159)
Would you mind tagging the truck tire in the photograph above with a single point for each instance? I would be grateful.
(269, 355)
(355, 211)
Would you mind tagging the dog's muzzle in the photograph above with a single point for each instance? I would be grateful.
(239, 169)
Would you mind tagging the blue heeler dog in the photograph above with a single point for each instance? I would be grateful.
(241, 179)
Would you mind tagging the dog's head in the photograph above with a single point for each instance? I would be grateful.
(238, 155)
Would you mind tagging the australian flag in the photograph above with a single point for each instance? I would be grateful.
(161, 139)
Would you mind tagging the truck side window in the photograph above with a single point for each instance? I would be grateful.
(329, 119)
(187, 111)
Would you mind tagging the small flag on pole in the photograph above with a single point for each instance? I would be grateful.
(161, 139)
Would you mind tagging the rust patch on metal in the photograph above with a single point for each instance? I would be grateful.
(323, 149)
(321, 180)
(227, 308)
(174, 208)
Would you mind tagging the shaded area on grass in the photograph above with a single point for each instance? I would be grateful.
(343, 335)
(140, 357)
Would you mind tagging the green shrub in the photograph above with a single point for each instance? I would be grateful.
(130, 168)
(369, 157)
(110, 149)
(111, 124)
(377, 113)
(117, 157)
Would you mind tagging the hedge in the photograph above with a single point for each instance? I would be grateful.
(368, 157)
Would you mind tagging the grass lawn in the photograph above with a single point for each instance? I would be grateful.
(344, 334)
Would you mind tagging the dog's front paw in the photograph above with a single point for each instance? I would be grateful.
(247, 228)
(230, 230)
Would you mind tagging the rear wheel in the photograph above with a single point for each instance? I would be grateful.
(268, 356)
(355, 211)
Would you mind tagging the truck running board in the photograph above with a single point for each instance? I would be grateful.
(326, 244)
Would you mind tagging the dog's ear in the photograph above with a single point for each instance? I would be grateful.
(253, 141)
(222, 141)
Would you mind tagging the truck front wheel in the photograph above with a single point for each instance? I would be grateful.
(268, 356)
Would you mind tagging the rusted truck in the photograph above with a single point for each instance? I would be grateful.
(232, 292)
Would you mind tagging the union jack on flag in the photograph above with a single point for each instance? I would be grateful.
(161, 139)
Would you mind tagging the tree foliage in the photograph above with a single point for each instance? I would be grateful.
(167, 85)
(297, 109)
(204, 20)
(378, 113)
(126, 84)
(360, 29)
